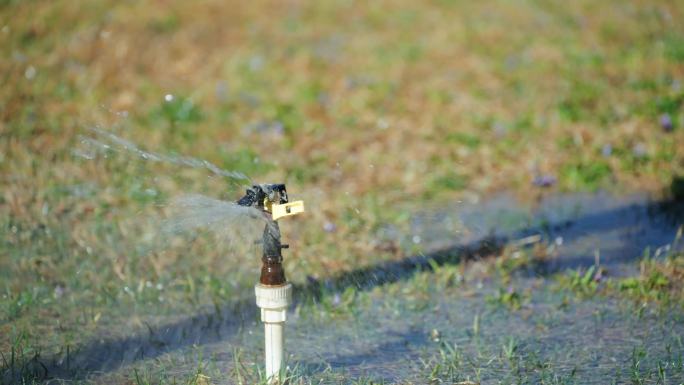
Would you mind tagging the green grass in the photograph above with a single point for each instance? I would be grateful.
(365, 111)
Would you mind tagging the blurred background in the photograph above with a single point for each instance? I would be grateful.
(368, 111)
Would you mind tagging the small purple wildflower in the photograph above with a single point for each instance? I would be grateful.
(606, 150)
(500, 130)
(274, 127)
(59, 291)
(544, 180)
(329, 227)
(666, 122)
(336, 299)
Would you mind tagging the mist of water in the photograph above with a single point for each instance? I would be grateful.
(233, 224)
(195, 211)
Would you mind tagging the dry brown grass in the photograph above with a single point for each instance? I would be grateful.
(384, 106)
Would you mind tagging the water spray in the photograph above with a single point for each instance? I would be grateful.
(273, 292)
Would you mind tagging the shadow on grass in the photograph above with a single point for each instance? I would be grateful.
(638, 225)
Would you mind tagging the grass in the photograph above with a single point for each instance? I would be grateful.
(365, 111)
(657, 282)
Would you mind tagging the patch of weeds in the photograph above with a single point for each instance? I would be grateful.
(674, 47)
(582, 283)
(310, 92)
(525, 254)
(579, 102)
(245, 160)
(165, 24)
(585, 175)
(510, 262)
(468, 140)
(524, 123)
(344, 303)
(511, 298)
(446, 366)
(327, 303)
(177, 110)
(450, 181)
(22, 364)
(447, 275)
(288, 114)
(658, 281)
(510, 349)
(15, 304)
(142, 194)
(633, 160)
(667, 104)
(310, 171)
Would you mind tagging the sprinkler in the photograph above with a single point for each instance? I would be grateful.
(273, 292)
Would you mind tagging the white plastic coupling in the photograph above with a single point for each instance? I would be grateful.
(273, 301)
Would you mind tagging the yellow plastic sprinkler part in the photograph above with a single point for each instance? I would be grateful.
(286, 209)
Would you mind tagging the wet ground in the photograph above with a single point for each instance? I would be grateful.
(398, 322)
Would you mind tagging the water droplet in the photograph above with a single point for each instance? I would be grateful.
(168, 97)
(416, 239)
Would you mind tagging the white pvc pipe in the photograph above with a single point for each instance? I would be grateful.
(273, 333)
(273, 301)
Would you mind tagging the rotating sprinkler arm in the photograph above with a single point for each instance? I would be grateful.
(273, 293)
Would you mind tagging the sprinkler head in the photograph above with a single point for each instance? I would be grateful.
(262, 196)
(272, 200)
